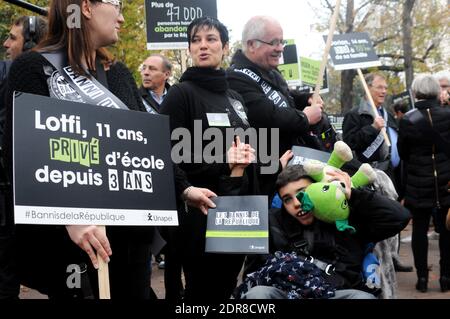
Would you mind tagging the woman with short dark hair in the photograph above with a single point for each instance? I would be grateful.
(203, 93)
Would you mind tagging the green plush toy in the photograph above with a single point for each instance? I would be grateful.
(325, 198)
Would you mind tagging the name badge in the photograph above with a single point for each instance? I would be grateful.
(218, 119)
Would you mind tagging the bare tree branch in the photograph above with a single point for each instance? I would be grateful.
(379, 41)
(427, 52)
(400, 56)
(362, 6)
(331, 8)
(391, 68)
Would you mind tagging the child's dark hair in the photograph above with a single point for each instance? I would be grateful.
(209, 23)
(291, 174)
(401, 106)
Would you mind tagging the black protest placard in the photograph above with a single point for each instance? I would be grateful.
(167, 21)
(238, 224)
(304, 154)
(77, 163)
(353, 51)
(405, 98)
(289, 64)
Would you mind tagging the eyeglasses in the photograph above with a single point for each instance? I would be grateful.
(274, 43)
(116, 3)
(380, 88)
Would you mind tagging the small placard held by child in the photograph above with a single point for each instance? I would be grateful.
(238, 224)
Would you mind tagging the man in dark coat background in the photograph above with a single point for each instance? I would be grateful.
(155, 71)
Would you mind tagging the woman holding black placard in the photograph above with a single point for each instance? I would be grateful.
(42, 254)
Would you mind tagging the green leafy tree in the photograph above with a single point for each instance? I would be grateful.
(426, 40)
(132, 46)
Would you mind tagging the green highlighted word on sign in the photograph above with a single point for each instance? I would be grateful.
(70, 150)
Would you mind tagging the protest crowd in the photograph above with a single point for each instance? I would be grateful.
(389, 167)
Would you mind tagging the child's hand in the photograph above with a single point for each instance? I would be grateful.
(285, 158)
(240, 155)
(344, 179)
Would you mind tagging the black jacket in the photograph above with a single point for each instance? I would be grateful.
(423, 189)
(267, 111)
(204, 91)
(359, 133)
(322, 134)
(148, 98)
(4, 70)
(201, 92)
(374, 216)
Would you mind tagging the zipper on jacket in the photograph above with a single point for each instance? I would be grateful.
(433, 157)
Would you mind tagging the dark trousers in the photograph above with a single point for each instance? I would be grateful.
(9, 281)
(208, 276)
(211, 276)
(173, 263)
(421, 221)
(42, 256)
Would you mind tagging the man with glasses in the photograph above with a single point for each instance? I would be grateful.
(444, 82)
(362, 128)
(269, 102)
(362, 132)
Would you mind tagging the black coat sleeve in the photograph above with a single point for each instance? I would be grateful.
(233, 186)
(181, 182)
(357, 135)
(402, 142)
(262, 112)
(375, 216)
(26, 75)
(122, 83)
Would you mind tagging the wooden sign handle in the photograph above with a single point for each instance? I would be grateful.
(372, 104)
(103, 274)
(327, 51)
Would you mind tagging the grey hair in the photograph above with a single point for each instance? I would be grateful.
(255, 28)
(370, 77)
(426, 87)
(167, 66)
(442, 75)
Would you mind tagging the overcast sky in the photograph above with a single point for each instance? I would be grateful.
(295, 16)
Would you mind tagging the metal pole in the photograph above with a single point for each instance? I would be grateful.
(29, 6)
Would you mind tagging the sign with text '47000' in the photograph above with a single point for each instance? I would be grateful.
(79, 164)
(167, 21)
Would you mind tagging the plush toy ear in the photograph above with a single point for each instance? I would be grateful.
(364, 176)
(314, 169)
(342, 225)
(340, 155)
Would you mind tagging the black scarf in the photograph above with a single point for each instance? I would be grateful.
(207, 78)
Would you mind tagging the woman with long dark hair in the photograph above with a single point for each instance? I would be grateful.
(79, 31)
